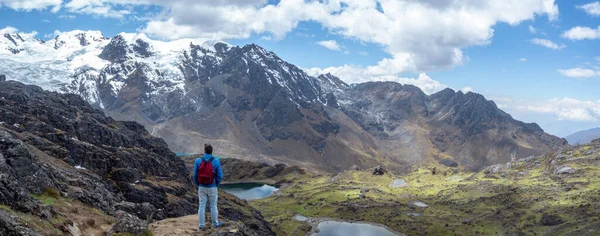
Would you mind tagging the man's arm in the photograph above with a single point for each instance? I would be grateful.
(218, 173)
(195, 173)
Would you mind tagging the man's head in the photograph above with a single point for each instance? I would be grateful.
(208, 149)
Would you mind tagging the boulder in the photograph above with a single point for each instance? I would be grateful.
(550, 220)
(418, 204)
(495, 169)
(564, 170)
(363, 192)
(129, 224)
(378, 170)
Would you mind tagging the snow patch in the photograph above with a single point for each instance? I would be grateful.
(80, 167)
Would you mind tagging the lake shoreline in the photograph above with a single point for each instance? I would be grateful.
(268, 182)
(314, 222)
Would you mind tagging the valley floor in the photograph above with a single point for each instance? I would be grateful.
(555, 194)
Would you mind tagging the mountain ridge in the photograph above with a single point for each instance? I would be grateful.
(584, 136)
(254, 105)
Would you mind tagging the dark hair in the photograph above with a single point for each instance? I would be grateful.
(208, 149)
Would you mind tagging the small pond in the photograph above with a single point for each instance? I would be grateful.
(333, 228)
(249, 191)
(183, 154)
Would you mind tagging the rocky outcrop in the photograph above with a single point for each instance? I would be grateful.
(238, 218)
(58, 143)
(378, 170)
(65, 127)
(128, 224)
(9, 226)
(564, 170)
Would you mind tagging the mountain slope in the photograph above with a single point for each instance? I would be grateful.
(57, 152)
(252, 104)
(584, 136)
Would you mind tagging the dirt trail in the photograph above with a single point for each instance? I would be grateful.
(186, 225)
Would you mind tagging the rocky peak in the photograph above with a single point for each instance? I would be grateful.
(116, 51)
(221, 47)
(77, 39)
(15, 39)
(331, 83)
(13, 42)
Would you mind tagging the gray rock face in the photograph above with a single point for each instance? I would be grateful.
(2, 78)
(8, 226)
(448, 162)
(22, 173)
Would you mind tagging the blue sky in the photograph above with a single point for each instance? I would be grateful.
(539, 60)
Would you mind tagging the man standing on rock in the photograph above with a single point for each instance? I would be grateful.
(207, 177)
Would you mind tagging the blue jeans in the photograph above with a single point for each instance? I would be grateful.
(210, 195)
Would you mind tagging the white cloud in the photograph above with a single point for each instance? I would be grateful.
(418, 35)
(28, 5)
(523, 59)
(532, 30)
(467, 89)
(567, 109)
(363, 53)
(581, 33)
(46, 21)
(67, 17)
(592, 8)
(101, 8)
(547, 43)
(580, 73)
(12, 30)
(53, 35)
(353, 74)
(330, 44)
(430, 34)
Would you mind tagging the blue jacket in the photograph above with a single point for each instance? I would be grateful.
(216, 168)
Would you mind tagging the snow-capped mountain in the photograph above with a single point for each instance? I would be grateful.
(252, 104)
